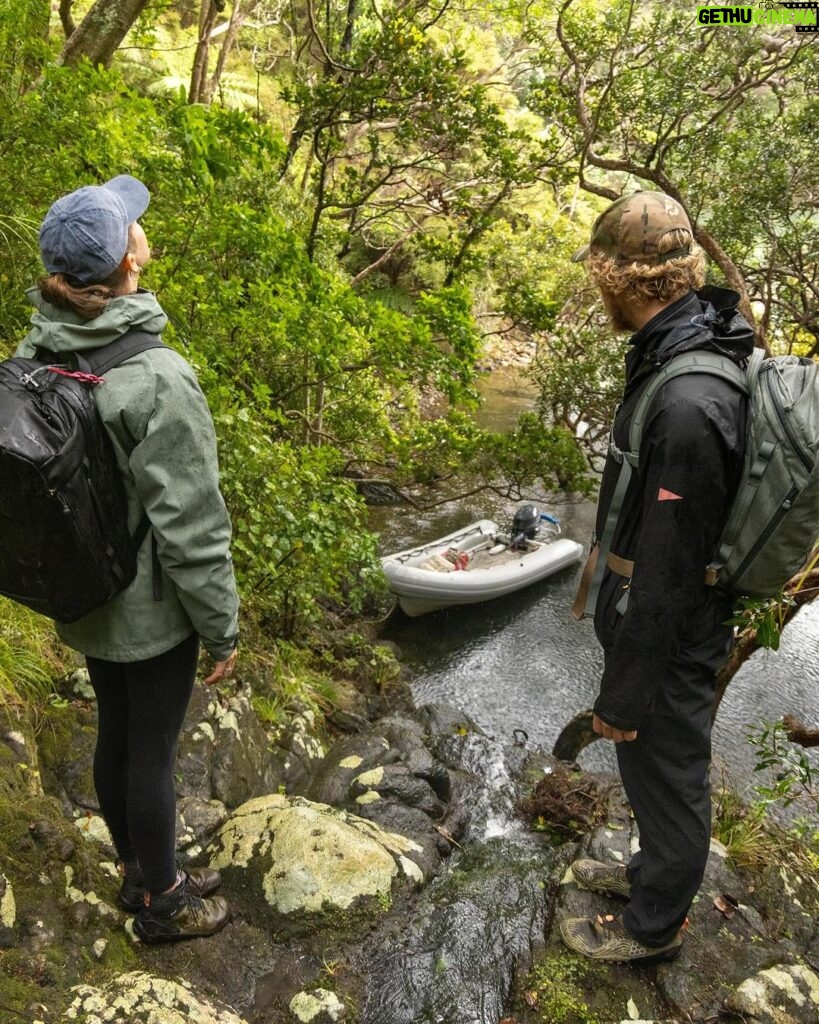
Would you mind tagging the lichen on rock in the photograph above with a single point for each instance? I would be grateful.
(140, 998)
(318, 1004)
(310, 855)
(8, 908)
(783, 992)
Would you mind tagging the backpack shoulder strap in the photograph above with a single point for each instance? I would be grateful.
(695, 361)
(688, 362)
(99, 360)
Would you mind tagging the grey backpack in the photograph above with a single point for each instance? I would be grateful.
(773, 523)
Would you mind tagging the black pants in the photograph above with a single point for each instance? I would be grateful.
(142, 707)
(665, 775)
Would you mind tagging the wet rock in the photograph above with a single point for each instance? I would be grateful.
(199, 820)
(432, 844)
(789, 901)
(299, 751)
(224, 751)
(719, 951)
(347, 758)
(456, 956)
(782, 994)
(603, 992)
(423, 765)
(402, 733)
(139, 998)
(229, 964)
(486, 777)
(290, 971)
(66, 755)
(302, 856)
(398, 782)
(444, 720)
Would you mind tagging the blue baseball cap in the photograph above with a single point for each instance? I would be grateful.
(85, 234)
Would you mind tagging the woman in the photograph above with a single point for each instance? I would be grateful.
(141, 649)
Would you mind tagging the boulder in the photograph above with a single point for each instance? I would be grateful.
(224, 753)
(347, 758)
(456, 956)
(782, 994)
(198, 821)
(397, 782)
(304, 857)
(299, 752)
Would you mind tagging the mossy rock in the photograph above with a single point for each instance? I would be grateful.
(57, 902)
(305, 866)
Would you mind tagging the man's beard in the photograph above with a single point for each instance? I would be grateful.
(619, 313)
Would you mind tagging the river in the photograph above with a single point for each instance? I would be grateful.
(523, 663)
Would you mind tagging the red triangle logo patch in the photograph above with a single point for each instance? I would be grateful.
(664, 495)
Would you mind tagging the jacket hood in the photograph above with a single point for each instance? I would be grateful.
(60, 330)
(707, 320)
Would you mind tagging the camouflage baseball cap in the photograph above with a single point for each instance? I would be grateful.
(629, 231)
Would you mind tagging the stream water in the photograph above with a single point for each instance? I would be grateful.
(523, 663)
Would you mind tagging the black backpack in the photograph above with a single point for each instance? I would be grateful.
(64, 542)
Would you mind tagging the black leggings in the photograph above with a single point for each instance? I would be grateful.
(142, 707)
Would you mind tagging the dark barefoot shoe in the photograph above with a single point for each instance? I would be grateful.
(606, 939)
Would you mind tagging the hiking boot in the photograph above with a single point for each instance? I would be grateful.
(599, 877)
(201, 882)
(180, 914)
(606, 939)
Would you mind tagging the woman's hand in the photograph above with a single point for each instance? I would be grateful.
(222, 669)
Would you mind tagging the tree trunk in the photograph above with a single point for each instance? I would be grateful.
(199, 74)
(66, 18)
(101, 31)
(237, 19)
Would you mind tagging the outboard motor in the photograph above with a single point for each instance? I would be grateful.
(525, 526)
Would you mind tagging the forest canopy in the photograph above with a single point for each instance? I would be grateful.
(353, 202)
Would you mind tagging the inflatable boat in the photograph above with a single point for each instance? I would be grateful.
(478, 563)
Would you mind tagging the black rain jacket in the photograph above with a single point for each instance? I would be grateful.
(676, 504)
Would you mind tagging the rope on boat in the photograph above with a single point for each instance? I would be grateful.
(450, 540)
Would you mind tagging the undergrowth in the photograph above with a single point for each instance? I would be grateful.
(29, 657)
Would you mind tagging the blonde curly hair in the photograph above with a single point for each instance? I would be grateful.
(644, 283)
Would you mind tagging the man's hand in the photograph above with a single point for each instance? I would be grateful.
(222, 669)
(610, 733)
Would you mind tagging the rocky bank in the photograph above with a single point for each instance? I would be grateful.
(379, 872)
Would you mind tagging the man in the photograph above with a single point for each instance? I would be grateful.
(661, 627)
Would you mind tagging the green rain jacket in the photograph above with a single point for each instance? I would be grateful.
(165, 445)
